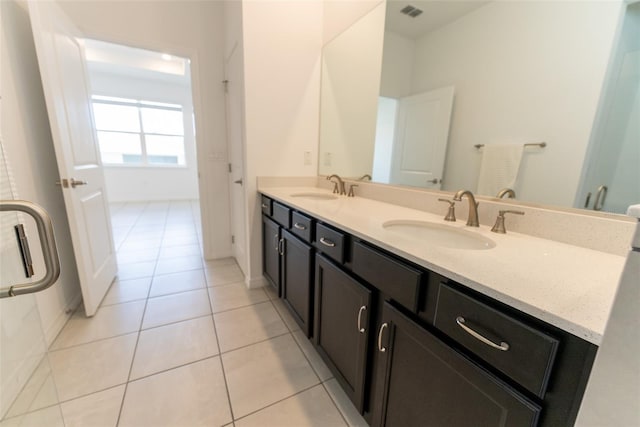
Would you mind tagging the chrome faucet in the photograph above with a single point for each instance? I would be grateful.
(506, 192)
(338, 187)
(472, 219)
(365, 176)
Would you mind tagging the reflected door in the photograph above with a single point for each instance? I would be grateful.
(421, 135)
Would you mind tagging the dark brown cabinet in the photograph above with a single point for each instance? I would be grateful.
(271, 252)
(427, 383)
(342, 314)
(297, 279)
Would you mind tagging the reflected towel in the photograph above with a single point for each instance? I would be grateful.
(499, 167)
(634, 210)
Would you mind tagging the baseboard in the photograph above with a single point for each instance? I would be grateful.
(53, 329)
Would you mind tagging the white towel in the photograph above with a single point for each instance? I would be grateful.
(499, 167)
(634, 210)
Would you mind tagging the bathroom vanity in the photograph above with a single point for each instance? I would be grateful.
(447, 333)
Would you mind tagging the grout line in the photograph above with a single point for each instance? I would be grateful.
(135, 349)
(224, 373)
(323, 384)
(282, 400)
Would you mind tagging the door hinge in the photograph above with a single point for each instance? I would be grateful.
(226, 86)
(230, 168)
(233, 239)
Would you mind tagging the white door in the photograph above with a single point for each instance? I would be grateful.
(234, 98)
(420, 142)
(64, 80)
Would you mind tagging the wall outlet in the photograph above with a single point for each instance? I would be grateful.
(327, 159)
(307, 158)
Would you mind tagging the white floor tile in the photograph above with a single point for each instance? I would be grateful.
(312, 407)
(131, 257)
(248, 325)
(228, 297)
(49, 417)
(136, 270)
(286, 315)
(180, 251)
(28, 399)
(176, 307)
(177, 282)
(178, 264)
(109, 321)
(92, 367)
(220, 262)
(173, 345)
(98, 409)
(312, 355)
(342, 401)
(224, 275)
(192, 395)
(127, 290)
(174, 239)
(265, 373)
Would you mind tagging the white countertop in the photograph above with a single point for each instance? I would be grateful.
(567, 286)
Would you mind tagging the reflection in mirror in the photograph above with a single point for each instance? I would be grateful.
(518, 73)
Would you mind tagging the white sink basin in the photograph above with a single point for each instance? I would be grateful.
(315, 196)
(440, 235)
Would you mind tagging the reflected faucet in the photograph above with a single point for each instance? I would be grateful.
(365, 176)
(506, 192)
(472, 219)
(338, 187)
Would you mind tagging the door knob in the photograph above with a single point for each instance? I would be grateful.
(75, 183)
(433, 181)
(238, 181)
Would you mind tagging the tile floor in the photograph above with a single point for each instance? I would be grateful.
(179, 341)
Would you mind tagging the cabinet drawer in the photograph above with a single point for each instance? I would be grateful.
(266, 205)
(527, 355)
(330, 242)
(395, 279)
(301, 226)
(282, 214)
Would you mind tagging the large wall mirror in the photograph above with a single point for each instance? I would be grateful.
(437, 94)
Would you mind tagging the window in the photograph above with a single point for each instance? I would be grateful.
(132, 132)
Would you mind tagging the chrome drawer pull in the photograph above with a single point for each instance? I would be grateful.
(381, 349)
(264, 206)
(281, 247)
(360, 328)
(502, 347)
(299, 226)
(327, 242)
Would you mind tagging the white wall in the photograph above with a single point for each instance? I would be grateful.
(537, 85)
(29, 145)
(282, 47)
(398, 54)
(130, 183)
(193, 29)
(349, 97)
(340, 15)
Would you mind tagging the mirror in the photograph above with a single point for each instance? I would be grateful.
(479, 73)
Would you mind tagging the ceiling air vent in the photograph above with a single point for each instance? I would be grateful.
(411, 11)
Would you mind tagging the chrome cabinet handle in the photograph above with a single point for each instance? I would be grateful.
(281, 247)
(264, 206)
(275, 242)
(600, 196)
(502, 347)
(299, 226)
(381, 349)
(360, 328)
(327, 242)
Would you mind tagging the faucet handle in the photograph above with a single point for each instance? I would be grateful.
(351, 194)
(451, 213)
(498, 227)
(335, 187)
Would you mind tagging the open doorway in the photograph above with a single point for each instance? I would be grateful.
(143, 113)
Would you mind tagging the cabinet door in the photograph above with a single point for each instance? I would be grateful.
(271, 252)
(297, 270)
(425, 382)
(342, 307)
